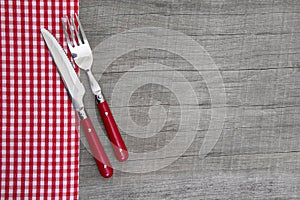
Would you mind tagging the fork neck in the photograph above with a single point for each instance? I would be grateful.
(96, 89)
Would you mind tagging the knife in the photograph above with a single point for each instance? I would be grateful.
(76, 92)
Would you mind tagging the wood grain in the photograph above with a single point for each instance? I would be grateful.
(255, 45)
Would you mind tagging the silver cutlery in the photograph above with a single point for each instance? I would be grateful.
(76, 92)
(83, 57)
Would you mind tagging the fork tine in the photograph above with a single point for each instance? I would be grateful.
(76, 32)
(65, 32)
(71, 28)
(81, 29)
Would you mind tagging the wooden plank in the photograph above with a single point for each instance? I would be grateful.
(255, 45)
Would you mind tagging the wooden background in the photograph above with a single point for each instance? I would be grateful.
(256, 46)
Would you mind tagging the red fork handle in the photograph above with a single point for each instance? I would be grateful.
(113, 132)
(99, 154)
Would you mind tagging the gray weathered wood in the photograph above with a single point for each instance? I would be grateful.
(256, 46)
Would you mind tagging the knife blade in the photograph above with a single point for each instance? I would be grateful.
(76, 92)
(66, 70)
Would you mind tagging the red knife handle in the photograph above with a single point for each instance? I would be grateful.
(99, 154)
(113, 132)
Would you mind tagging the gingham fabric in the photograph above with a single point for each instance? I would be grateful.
(39, 141)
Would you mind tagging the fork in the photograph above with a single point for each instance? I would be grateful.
(82, 55)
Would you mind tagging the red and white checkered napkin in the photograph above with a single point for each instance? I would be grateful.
(39, 141)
